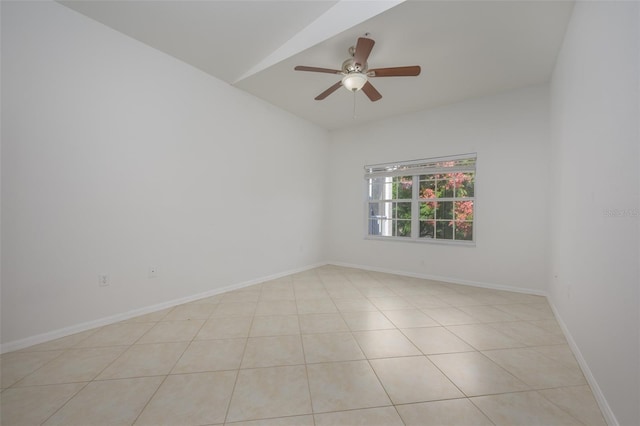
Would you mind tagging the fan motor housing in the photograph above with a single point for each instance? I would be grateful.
(349, 66)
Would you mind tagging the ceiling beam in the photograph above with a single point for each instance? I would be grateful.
(343, 15)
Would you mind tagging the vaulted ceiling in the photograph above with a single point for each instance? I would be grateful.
(466, 49)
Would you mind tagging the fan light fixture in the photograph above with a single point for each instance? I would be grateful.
(354, 81)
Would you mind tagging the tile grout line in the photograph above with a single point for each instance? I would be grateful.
(374, 370)
(65, 403)
(244, 351)
(369, 362)
(171, 369)
(306, 370)
(98, 374)
(561, 408)
(14, 385)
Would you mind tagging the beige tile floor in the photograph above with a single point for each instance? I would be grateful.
(329, 346)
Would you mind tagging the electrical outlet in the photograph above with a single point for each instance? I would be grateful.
(153, 271)
(103, 280)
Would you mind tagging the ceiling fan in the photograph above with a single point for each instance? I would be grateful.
(356, 73)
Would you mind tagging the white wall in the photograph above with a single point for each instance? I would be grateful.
(116, 157)
(594, 243)
(510, 133)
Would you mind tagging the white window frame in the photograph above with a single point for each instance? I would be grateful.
(415, 169)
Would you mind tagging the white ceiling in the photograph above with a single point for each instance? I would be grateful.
(465, 48)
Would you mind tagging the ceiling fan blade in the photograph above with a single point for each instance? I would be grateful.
(363, 49)
(329, 91)
(371, 92)
(395, 72)
(315, 69)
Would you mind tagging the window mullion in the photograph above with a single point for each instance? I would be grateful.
(415, 208)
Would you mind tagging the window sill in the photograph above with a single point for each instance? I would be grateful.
(458, 243)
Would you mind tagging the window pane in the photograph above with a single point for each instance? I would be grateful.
(464, 184)
(386, 227)
(380, 188)
(386, 210)
(402, 211)
(402, 187)
(402, 228)
(464, 210)
(444, 210)
(375, 226)
(375, 189)
(445, 186)
(374, 209)
(427, 228)
(444, 230)
(464, 220)
(464, 231)
(427, 186)
(428, 210)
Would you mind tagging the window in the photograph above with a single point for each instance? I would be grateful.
(422, 200)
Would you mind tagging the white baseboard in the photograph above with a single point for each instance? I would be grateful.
(56, 334)
(607, 412)
(597, 392)
(441, 278)
(77, 328)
